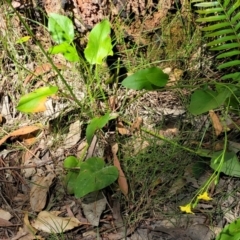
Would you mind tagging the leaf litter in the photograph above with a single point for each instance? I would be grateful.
(143, 111)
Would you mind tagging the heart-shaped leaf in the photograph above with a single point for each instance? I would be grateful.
(149, 79)
(204, 100)
(99, 43)
(60, 28)
(230, 166)
(35, 101)
(94, 176)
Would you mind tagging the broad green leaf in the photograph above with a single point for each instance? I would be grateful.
(148, 79)
(96, 124)
(204, 100)
(68, 51)
(230, 231)
(94, 176)
(99, 43)
(231, 164)
(35, 101)
(60, 28)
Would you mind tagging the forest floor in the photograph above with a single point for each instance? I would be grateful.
(157, 139)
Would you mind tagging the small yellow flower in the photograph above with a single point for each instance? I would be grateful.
(204, 196)
(186, 208)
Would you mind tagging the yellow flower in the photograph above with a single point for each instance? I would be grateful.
(186, 208)
(204, 196)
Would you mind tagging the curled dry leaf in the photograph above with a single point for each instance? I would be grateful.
(40, 70)
(136, 124)
(216, 122)
(27, 232)
(38, 193)
(121, 129)
(23, 132)
(122, 181)
(50, 222)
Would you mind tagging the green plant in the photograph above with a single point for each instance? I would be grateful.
(230, 232)
(88, 176)
(91, 175)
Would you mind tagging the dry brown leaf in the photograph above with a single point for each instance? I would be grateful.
(38, 193)
(20, 132)
(42, 69)
(93, 205)
(136, 124)
(112, 101)
(121, 129)
(50, 222)
(74, 135)
(122, 181)
(27, 232)
(5, 223)
(216, 122)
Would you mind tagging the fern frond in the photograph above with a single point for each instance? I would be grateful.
(223, 30)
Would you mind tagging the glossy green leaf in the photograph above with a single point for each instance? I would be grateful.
(148, 79)
(231, 164)
(70, 162)
(60, 28)
(68, 51)
(99, 43)
(230, 231)
(94, 176)
(35, 101)
(96, 124)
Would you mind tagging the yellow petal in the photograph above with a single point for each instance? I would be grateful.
(186, 208)
(204, 196)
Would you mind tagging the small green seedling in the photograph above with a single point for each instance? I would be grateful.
(88, 176)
